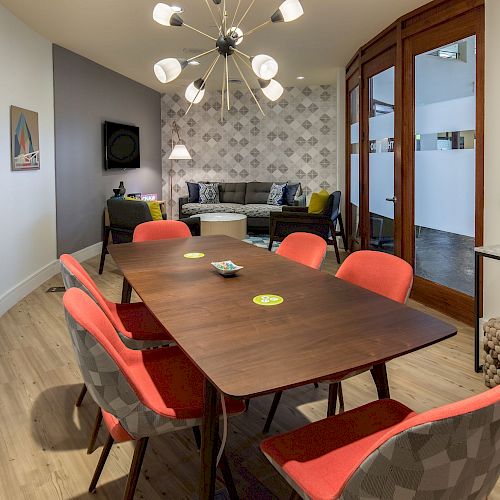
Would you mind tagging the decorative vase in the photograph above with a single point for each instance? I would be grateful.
(120, 191)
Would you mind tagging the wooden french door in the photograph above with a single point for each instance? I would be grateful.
(414, 137)
(442, 147)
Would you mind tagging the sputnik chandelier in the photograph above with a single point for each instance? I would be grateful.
(227, 43)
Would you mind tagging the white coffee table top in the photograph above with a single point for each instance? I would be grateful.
(220, 217)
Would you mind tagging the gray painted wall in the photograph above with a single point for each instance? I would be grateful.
(295, 141)
(87, 94)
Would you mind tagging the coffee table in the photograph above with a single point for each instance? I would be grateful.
(225, 224)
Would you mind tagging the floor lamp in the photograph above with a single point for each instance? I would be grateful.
(179, 152)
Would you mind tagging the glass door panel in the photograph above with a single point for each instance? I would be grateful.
(445, 165)
(354, 166)
(381, 160)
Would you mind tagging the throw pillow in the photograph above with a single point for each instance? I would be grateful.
(291, 191)
(209, 193)
(277, 194)
(318, 202)
(194, 192)
(154, 208)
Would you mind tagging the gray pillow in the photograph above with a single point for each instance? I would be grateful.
(209, 193)
(276, 194)
(292, 190)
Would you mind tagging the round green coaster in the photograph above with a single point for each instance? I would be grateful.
(194, 255)
(268, 300)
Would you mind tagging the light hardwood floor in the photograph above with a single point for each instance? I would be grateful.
(43, 437)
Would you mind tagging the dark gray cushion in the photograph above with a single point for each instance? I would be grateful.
(258, 192)
(194, 192)
(232, 192)
(292, 190)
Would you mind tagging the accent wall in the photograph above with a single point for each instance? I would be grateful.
(86, 95)
(295, 141)
(28, 220)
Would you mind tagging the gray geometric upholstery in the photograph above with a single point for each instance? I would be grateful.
(111, 390)
(455, 458)
(251, 210)
(71, 281)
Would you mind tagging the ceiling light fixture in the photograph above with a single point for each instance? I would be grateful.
(230, 35)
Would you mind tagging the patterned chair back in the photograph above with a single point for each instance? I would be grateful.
(104, 361)
(450, 452)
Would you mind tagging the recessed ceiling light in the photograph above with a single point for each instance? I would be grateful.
(194, 63)
(300, 77)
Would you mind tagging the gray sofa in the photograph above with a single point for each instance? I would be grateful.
(248, 198)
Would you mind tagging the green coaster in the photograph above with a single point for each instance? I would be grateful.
(268, 300)
(194, 255)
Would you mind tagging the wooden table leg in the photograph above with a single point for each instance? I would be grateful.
(379, 374)
(209, 441)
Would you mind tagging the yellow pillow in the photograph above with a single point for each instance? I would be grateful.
(154, 208)
(318, 202)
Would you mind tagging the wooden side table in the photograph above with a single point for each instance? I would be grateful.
(489, 252)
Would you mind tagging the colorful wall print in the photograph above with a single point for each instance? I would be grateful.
(25, 139)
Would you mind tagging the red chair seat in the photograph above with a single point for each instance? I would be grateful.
(137, 322)
(319, 458)
(118, 433)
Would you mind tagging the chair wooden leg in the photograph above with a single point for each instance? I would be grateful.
(272, 411)
(197, 437)
(228, 477)
(270, 247)
(126, 292)
(342, 232)
(332, 399)
(79, 401)
(100, 465)
(95, 432)
(316, 385)
(341, 399)
(295, 496)
(135, 468)
(247, 404)
(336, 247)
(104, 250)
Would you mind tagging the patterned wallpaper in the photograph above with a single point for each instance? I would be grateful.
(295, 141)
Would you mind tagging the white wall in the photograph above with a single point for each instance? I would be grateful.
(28, 213)
(492, 158)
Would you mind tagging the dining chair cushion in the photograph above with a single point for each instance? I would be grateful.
(305, 248)
(318, 459)
(118, 433)
(161, 230)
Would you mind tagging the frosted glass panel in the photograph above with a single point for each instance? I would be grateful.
(381, 161)
(354, 163)
(445, 166)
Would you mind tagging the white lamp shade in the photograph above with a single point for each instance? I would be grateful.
(273, 91)
(166, 15)
(169, 69)
(289, 10)
(193, 93)
(180, 152)
(265, 67)
(237, 34)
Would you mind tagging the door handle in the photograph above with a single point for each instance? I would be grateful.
(393, 199)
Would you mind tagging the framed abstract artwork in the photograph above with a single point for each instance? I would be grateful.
(25, 140)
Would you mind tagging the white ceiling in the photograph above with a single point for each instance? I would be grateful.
(121, 35)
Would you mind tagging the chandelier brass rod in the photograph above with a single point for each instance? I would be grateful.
(219, 28)
(246, 12)
(253, 30)
(199, 31)
(248, 87)
(227, 85)
(223, 90)
(238, 51)
(201, 55)
(205, 78)
(235, 14)
(248, 65)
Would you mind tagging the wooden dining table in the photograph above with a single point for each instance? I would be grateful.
(324, 327)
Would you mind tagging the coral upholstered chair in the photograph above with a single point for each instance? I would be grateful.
(153, 231)
(378, 272)
(141, 393)
(386, 451)
(305, 248)
(161, 230)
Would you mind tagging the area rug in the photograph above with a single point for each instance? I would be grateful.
(261, 241)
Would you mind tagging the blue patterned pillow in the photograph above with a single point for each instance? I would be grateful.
(276, 194)
(209, 193)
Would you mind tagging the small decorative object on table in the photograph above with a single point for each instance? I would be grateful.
(491, 343)
(226, 268)
(120, 191)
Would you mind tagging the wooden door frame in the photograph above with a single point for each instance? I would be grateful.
(450, 19)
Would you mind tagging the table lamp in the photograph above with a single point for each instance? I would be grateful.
(179, 152)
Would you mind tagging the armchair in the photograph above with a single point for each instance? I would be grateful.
(124, 217)
(297, 219)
